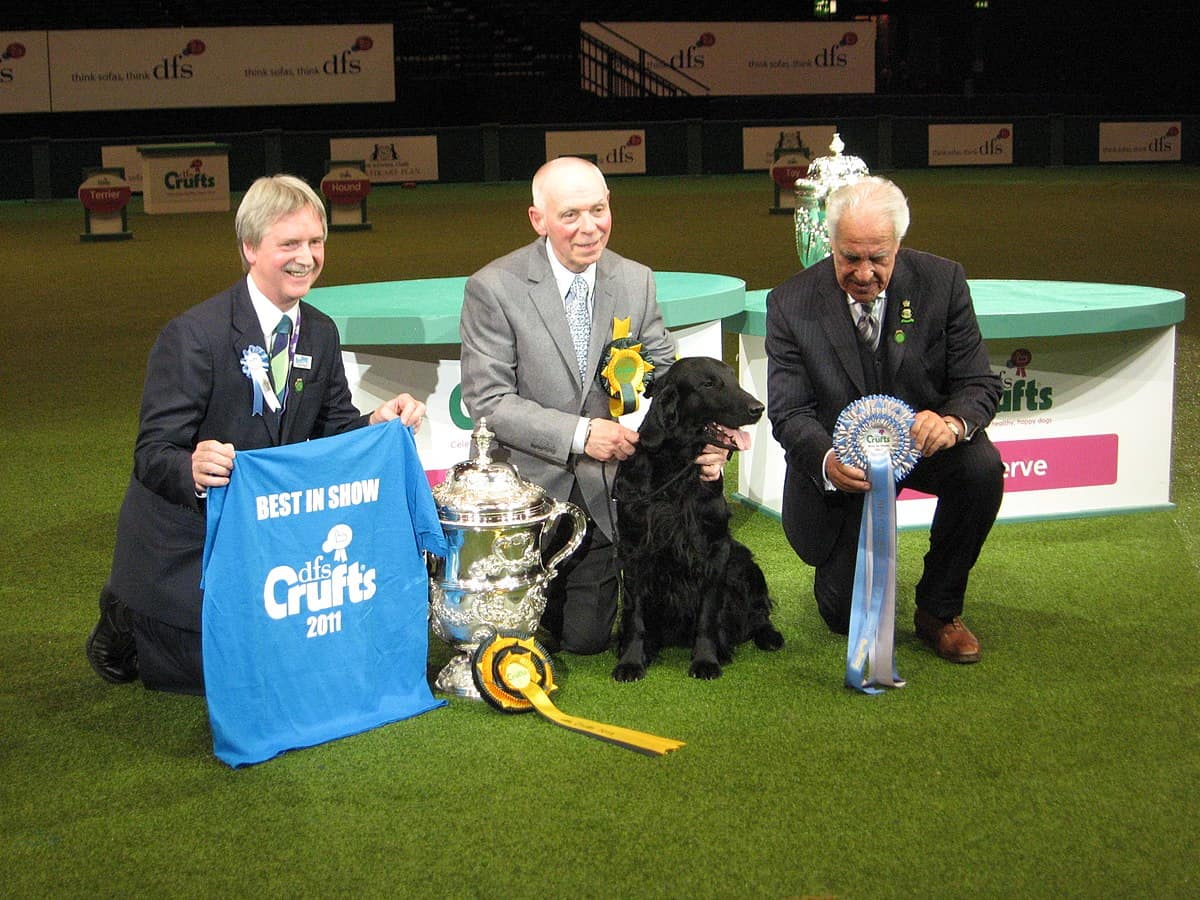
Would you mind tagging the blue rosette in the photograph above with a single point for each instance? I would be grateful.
(254, 366)
(876, 422)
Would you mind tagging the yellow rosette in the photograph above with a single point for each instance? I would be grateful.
(514, 675)
(623, 375)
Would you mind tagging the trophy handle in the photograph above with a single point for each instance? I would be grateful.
(557, 511)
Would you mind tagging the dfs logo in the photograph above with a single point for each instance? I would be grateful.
(1164, 143)
(176, 67)
(834, 56)
(15, 50)
(995, 146)
(690, 56)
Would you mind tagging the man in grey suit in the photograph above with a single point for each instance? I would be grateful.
(521, 370)
(213, 386)
(920, 342)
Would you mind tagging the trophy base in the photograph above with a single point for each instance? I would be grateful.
(455, 678)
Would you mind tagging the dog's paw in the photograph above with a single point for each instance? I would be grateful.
(629, 671)
(767, 638)
(705, 669)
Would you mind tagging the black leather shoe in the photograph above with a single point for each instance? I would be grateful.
(110, 647)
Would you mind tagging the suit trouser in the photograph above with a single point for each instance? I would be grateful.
(581, 601)
(968, 480)
(169, 658)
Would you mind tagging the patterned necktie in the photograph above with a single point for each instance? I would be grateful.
(866, 325)
(580, 321)
(279, 356)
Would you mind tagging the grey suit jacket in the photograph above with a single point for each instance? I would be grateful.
(519, 368)
(195, 390)
(936, 360)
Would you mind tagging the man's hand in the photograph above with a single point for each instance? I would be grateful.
(212, 462)
(404, 407)
(610, 440)
(712, 461)
(850, 479)
(932, 432)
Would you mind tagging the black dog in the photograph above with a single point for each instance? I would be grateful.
(687, 582)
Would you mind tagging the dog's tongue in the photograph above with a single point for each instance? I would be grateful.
(737, 437)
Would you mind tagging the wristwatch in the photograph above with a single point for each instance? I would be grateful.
(953, 428)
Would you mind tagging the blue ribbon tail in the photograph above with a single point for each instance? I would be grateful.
(873, 602)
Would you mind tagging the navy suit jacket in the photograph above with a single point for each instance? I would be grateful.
(935, 356)
(195, 390)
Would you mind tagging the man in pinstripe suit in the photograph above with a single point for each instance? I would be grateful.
(921, 343)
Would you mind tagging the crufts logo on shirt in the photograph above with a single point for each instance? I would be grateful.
(322, 583)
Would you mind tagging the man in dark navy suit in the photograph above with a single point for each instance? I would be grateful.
(252, 367)
(873, 318)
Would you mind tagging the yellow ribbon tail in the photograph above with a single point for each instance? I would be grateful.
(650, 744)
(520, 675)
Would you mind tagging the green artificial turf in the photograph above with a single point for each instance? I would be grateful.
(1064, 764)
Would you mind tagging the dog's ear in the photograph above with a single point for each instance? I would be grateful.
(661, 418)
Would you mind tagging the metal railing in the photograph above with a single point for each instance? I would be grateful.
(616, 67)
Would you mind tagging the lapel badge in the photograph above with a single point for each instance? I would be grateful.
(302, 361)
(898, 337)
(906, 315)
(298, 386)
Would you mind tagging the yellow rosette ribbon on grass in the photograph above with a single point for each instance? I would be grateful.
(514, 675)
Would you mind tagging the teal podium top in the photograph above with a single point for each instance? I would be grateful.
(426, 311)
(1008, 308)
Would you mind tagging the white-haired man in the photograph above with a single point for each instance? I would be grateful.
(918, 341)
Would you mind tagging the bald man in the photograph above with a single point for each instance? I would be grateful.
(521, 370)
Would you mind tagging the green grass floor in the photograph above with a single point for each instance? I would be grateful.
(1066, 763)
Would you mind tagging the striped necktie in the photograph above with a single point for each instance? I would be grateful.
(867, 326)
(280, 353)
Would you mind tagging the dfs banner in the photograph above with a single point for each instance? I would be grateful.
(315, 621)
(615, 152)
(727, 58)
(167, 68)
(1141, 141)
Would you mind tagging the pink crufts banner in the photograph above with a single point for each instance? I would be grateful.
(1045, 464)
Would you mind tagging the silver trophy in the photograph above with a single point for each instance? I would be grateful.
(492, 580)
(825, 175)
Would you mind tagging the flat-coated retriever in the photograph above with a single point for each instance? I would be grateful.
(687, 582)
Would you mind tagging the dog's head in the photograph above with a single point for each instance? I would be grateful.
(699, 398)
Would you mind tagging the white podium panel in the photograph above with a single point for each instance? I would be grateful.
(1084, 427)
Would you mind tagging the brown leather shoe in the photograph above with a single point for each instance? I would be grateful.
(951, 640)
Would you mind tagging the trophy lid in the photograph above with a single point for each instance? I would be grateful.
(827, 173)
(487, 492)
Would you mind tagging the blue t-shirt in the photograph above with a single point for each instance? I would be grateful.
(316, 594)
